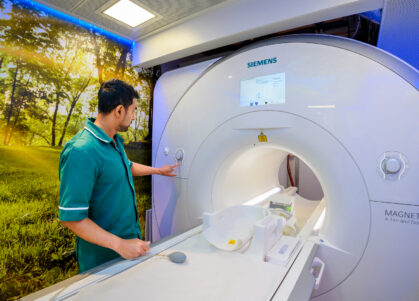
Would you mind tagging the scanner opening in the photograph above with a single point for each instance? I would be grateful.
(259, 174)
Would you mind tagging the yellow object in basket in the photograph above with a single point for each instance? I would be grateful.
(232, 242)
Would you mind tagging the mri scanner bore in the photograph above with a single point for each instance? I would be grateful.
(295, 207)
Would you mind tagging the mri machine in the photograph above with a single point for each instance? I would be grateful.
(349, 110)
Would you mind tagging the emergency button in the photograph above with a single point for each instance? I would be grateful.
(391, 165)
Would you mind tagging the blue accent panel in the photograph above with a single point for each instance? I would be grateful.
(60, 15)
(399, 30)
(373, 15)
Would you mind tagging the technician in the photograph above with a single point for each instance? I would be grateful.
(97, 196)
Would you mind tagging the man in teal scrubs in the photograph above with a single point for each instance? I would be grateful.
(97, 196)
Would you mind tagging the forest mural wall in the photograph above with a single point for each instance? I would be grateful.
(50, 72)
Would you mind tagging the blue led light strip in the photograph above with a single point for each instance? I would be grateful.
(60, 15)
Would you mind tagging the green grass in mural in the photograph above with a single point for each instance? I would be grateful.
(36, 251)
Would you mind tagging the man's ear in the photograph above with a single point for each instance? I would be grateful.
(119, 111)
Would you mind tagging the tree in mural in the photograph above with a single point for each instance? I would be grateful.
(49, 68)
(78, 87)
(148, 78)
(19, 41)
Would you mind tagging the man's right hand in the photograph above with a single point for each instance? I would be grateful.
(132, 248)
(90, 231)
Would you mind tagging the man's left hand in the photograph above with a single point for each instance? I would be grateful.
(167, 170)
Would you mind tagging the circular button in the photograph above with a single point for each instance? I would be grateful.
(391, 165)
(179, 155)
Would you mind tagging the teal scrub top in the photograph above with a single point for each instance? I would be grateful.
(96, 182)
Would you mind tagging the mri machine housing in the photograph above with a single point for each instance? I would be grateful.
(350, 111)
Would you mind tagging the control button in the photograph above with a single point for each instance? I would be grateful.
(179, 154)
(391, 165)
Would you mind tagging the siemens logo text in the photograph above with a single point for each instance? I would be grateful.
(262, 62)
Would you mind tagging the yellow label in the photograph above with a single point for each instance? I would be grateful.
(232, 242)
(262, 137)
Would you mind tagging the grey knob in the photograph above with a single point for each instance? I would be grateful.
(391, 165)
(179, 155)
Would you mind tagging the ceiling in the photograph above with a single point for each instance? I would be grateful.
(169, 13)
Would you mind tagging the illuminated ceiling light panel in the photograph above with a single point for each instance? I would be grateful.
(128, 13)
(71, 19)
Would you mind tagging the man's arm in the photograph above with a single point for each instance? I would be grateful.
(90, 231)
(144, 170)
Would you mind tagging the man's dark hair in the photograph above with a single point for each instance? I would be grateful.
(113, 93)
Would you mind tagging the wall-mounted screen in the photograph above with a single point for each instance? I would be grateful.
(263, 90)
